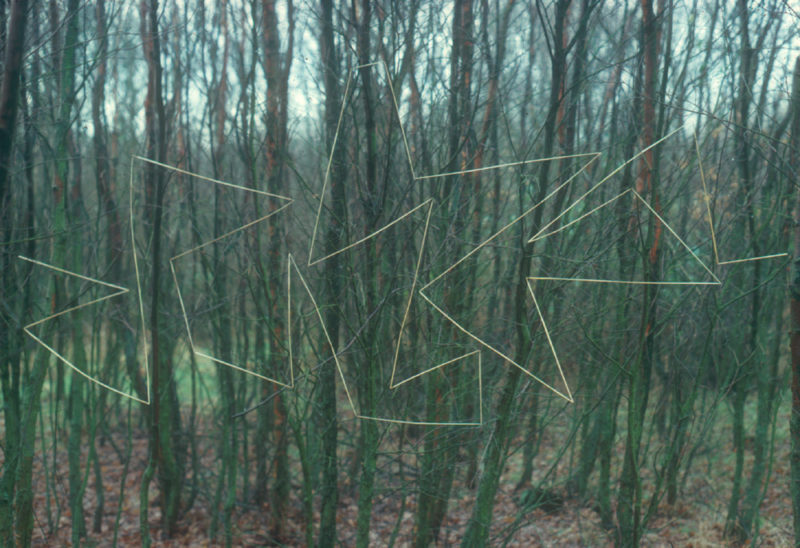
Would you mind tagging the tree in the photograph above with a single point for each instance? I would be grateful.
(277, 66)
(13, 51)
(478, 529)
(446, 106)
(327, 413)
(630, 495)
(795, 308)
(166, 453)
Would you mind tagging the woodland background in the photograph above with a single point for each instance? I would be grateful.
(349, 118)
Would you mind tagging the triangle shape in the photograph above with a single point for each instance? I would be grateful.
(576, 346)
(112, 291)
(576, 203)
(323, 215)
(376, 307)
(607, 234)
(303, 346)
(268, 358)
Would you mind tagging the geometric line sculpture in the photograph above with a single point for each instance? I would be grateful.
(637, 198)
(429, 203)
(118, 290)
(478, 389)
(311, 260)
(543, 231)
(291, 265)
(426, 206)
(714, 280)
(173, 260)
(394, 383)
(442, 276)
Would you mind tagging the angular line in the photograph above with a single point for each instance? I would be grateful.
(325, 332)
(539, 235)
(592, 157)
(119, 290)
(549, 340)
(493, 349)
(373, 234)
(711, 219)
(636, 195)
(479, 422)
(172, 260)
(311, 260)
(392, 384)
(426, 204)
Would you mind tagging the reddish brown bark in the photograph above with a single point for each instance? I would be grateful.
(277, 70)
(166, 442)
(644, 182)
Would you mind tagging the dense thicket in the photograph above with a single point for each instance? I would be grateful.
(379, 251)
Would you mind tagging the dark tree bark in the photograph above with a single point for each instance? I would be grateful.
(737, 523)
(328, 421)
(166, 440)
(438, 460)
(629, 509)
(795, 310)
(477, 533)
(13, 51)
(372, 200)
(222, 320)
(276, 68)
(9, 89)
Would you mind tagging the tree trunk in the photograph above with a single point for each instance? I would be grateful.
(372, 206)
(13, 51)
(166, 440)
(276, 68)
(219, 287)
(327, 417)
(9, 88)
(795, 309)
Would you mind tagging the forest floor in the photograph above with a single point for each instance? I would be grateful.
(697, 520)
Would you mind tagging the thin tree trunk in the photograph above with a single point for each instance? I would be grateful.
(226, 487)
(9, 88)
(372, 206)
(764, 369)
(327, 418)
(64, 123)
(13, 50)
(276, 68)
(795, 309)
(735, 524)
(438, 462)
(166, 441)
